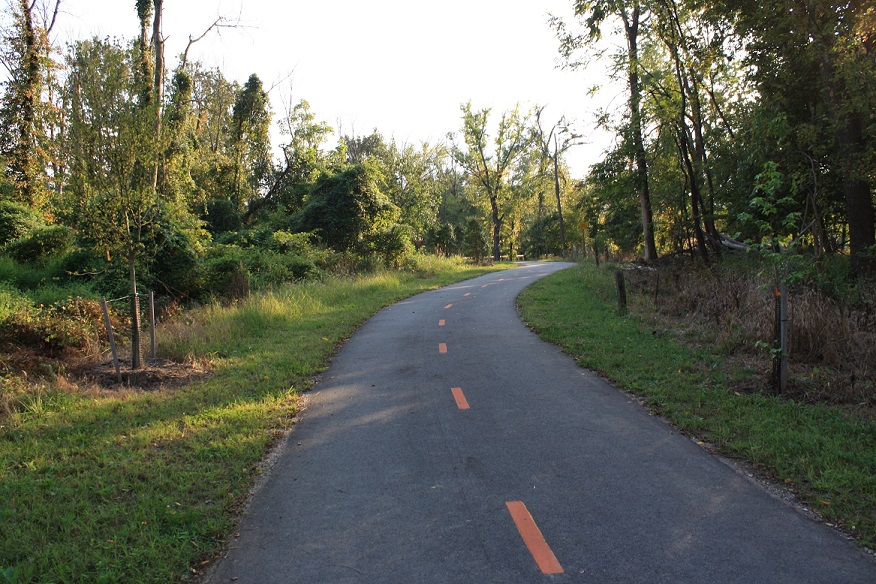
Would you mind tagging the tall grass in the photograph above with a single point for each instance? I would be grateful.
(144, 486)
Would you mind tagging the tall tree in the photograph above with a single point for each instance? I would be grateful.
(250, 141)
(490, 162)
(630, 14)
(23, 110)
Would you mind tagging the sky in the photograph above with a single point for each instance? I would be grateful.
(403, 67)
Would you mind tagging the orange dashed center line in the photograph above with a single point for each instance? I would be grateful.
(448, 306)
(442, 347)
(534, 540)
(461, 402)
(467, 294)
(441, 322)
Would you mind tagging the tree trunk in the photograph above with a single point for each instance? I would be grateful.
(557, 193)
(497, 226)
(158, 84)
(859, 199)
(135, 313)
(631, 25)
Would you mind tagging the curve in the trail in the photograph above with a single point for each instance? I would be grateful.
(447, 443)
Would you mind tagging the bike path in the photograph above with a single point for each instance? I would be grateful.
(448, 443)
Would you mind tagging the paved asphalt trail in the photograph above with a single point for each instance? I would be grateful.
(386, 479)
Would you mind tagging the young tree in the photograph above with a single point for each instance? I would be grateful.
(110, 198)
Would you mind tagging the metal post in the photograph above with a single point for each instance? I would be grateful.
(112, 340)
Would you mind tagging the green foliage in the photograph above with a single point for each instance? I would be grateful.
(391, 245)
(41, 243)
(74, 323)
(474, 243)
(16, 220)
(343, 209)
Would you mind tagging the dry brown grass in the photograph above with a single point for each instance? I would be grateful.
(832, 343)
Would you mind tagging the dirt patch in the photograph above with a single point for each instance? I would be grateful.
(153, 376)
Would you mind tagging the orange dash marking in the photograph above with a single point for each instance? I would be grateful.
(461, 402)
(467, 294)
(448, 306)
(534, 540)
(441, 322)
(442, 347)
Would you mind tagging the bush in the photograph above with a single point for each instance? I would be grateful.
(175, 265)
(392, 245)
(15, 221)
(73, 323)
(41, 243)
(222, 216)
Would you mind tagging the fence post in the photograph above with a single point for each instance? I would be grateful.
(621, 291)
(152, 324)
(135, 331)
(112, 340)
(780, 340)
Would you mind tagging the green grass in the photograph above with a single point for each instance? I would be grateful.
(827, 456)
(135, 486)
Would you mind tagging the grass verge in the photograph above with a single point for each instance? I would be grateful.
(132, 486)
(826, 456)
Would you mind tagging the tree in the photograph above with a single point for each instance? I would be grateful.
(822, 54)
(489, 164)
(110, 198)
(250, 141)
(630, 14)
(552, 145)
(24, 110)
(345, 208)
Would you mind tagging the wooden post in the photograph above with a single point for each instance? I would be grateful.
(152, 324)
(112, 340)
(780, 340)
(621, 291)
(783, 338)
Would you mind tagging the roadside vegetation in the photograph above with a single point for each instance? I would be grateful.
(695, 359)
(122, 484)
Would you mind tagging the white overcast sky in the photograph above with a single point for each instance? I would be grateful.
(401, 66)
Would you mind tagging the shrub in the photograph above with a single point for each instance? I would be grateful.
(41, 243)
(15, 221)
(392, 245)
(73, 323)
